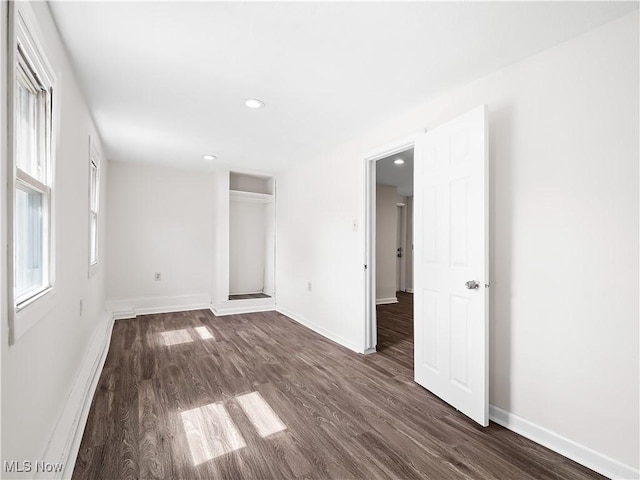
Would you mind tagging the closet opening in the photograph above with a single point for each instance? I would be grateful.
(251, 237)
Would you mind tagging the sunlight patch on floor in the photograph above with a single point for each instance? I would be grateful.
(210, 432)
(261, 415)
(204, 333)
(175, 337)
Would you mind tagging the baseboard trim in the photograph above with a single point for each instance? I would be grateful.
(582, 454)
(385, 301)
(222, 312)
(409, 290)
(123, 315)
(64, 443)
(173, 308)
(132, 307)
(320, 330)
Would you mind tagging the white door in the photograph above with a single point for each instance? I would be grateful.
(450, 258)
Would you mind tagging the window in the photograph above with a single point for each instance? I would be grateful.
(94, 201)
(32, 219)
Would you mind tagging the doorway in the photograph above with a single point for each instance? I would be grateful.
(394, 244)
(390, 247)
(451, 261)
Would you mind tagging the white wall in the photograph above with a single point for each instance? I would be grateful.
(160, 220)
(247, 246)
(316, 243)
(39, 370)
(563, 226)
(386, 238)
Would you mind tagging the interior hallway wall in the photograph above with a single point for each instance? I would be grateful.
(564, 235)
(386, 237)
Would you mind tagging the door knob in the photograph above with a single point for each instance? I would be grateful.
(472, 285)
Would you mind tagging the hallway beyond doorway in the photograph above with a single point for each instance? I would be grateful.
(395, 330)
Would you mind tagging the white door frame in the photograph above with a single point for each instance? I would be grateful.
(370, 324)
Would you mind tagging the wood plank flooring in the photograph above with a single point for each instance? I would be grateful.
(247, 296)
(193, 396)
(395, 331)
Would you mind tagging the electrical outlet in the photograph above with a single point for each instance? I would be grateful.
(157, 276)
(81, 307)
(309, 286)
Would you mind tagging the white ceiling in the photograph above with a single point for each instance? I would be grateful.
(399, 176)
(166, 80)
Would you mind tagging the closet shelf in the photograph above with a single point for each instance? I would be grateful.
(240, 196)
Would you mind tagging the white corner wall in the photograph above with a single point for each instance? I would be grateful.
(43, 372)
(219, 265)
(159, 220)
(386, 239)
(564, 239)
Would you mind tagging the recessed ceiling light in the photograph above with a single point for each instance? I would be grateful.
(209, 157)
(253, 103)
(398, 161)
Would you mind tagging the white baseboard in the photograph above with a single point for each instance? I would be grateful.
(221, 312)
(385, 301)
(582, 454)
(131, 307)
(65, 440)
(124, 314)
(369, 351)
(409, 290)
(321, 330)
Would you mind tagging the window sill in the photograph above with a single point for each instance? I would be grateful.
(32, 311)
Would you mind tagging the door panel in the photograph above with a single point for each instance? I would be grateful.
(451, 321)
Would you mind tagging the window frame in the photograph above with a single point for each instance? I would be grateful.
(95, 159)
(26, 183)
(25, 47)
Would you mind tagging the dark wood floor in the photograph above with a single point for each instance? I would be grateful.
(248, 296)
(173, 403)
(395, 330)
